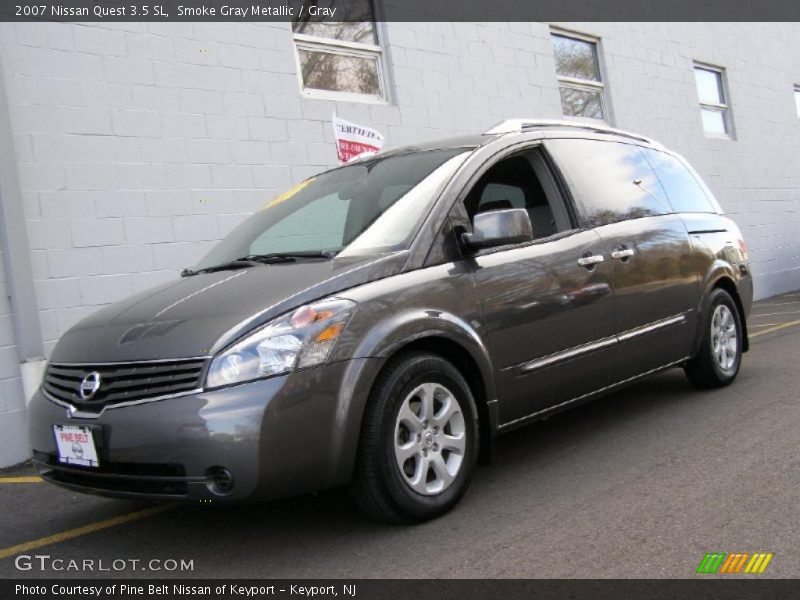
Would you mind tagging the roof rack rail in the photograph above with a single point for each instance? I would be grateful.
(519, 125)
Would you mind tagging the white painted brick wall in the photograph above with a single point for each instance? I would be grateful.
(13, 428)
(140, 144)
(9, 367)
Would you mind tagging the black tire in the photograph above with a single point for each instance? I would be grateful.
(705, 370)
(379, 487)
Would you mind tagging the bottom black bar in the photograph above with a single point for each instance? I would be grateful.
(405, 589)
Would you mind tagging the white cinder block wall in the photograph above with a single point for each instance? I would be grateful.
(12, 402)
(139, 145)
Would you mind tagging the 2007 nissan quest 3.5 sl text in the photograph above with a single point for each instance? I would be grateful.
(379, 324)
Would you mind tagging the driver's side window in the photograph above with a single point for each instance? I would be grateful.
(514, 182)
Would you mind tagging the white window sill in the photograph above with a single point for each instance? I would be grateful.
(718, 136)
(310, 94)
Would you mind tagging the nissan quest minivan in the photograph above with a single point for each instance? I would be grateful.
(379, 324)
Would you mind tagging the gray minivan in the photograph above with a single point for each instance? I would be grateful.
(379, 324)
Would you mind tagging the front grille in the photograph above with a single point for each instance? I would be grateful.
(123, 382)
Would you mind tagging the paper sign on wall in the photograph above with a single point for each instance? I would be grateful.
(355, 141)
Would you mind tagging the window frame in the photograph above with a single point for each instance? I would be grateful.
(797, 99)
(303, 41)
(723, 108)
(584, 85)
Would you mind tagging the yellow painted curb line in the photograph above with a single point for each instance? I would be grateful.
(79, 531)
(32, 479)
(776, 328)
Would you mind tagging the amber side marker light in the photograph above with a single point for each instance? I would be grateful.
(329, 333)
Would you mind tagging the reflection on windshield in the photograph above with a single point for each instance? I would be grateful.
(369, 207)
(392, 227)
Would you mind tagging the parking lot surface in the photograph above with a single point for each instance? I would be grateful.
(641, 483)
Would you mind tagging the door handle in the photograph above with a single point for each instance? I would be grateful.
(622, 253)
(589, 260)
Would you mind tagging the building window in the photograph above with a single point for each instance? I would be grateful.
(713, 99)
(340, 60)
(797, 99)
(579, 81)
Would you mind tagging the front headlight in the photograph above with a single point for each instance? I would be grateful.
(303, 338)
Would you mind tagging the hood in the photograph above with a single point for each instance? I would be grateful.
(201, 314)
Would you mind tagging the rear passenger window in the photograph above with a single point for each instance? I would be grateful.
(610, 181)
(682, 188)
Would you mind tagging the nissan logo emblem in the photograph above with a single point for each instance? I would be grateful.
(89, 386)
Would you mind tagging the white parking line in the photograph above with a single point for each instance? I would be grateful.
(788, 312)
(780, 304)
(776, 328)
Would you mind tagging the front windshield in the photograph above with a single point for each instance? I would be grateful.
(369, 207)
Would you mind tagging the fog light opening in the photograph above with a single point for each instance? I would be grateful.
(219, 480)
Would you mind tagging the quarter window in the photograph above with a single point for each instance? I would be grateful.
(579, 81)
(682, 188)
(713, 99)
(341, 60)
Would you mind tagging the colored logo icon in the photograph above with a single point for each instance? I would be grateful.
(735, 563)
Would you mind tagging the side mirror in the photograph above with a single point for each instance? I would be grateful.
(498, 228)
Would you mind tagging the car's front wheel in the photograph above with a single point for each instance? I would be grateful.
(419, 441)
(720, 354)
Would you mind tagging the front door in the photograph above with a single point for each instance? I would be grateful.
(547, 304)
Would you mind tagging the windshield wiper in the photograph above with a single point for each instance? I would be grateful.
(277, 256)
(234, 264)
(252, 260)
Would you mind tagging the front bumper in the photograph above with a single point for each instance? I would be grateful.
(278, 437)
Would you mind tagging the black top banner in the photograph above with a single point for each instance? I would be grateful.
(399, 10)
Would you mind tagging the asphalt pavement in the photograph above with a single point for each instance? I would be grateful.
(641, 483)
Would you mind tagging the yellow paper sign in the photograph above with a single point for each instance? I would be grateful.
(288, 193)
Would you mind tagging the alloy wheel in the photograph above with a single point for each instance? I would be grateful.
(430, 438)
(724, 338)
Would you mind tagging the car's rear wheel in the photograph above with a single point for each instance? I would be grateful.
(720, 355)
(419, 441)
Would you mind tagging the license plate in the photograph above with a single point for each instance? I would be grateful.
(75, 445)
